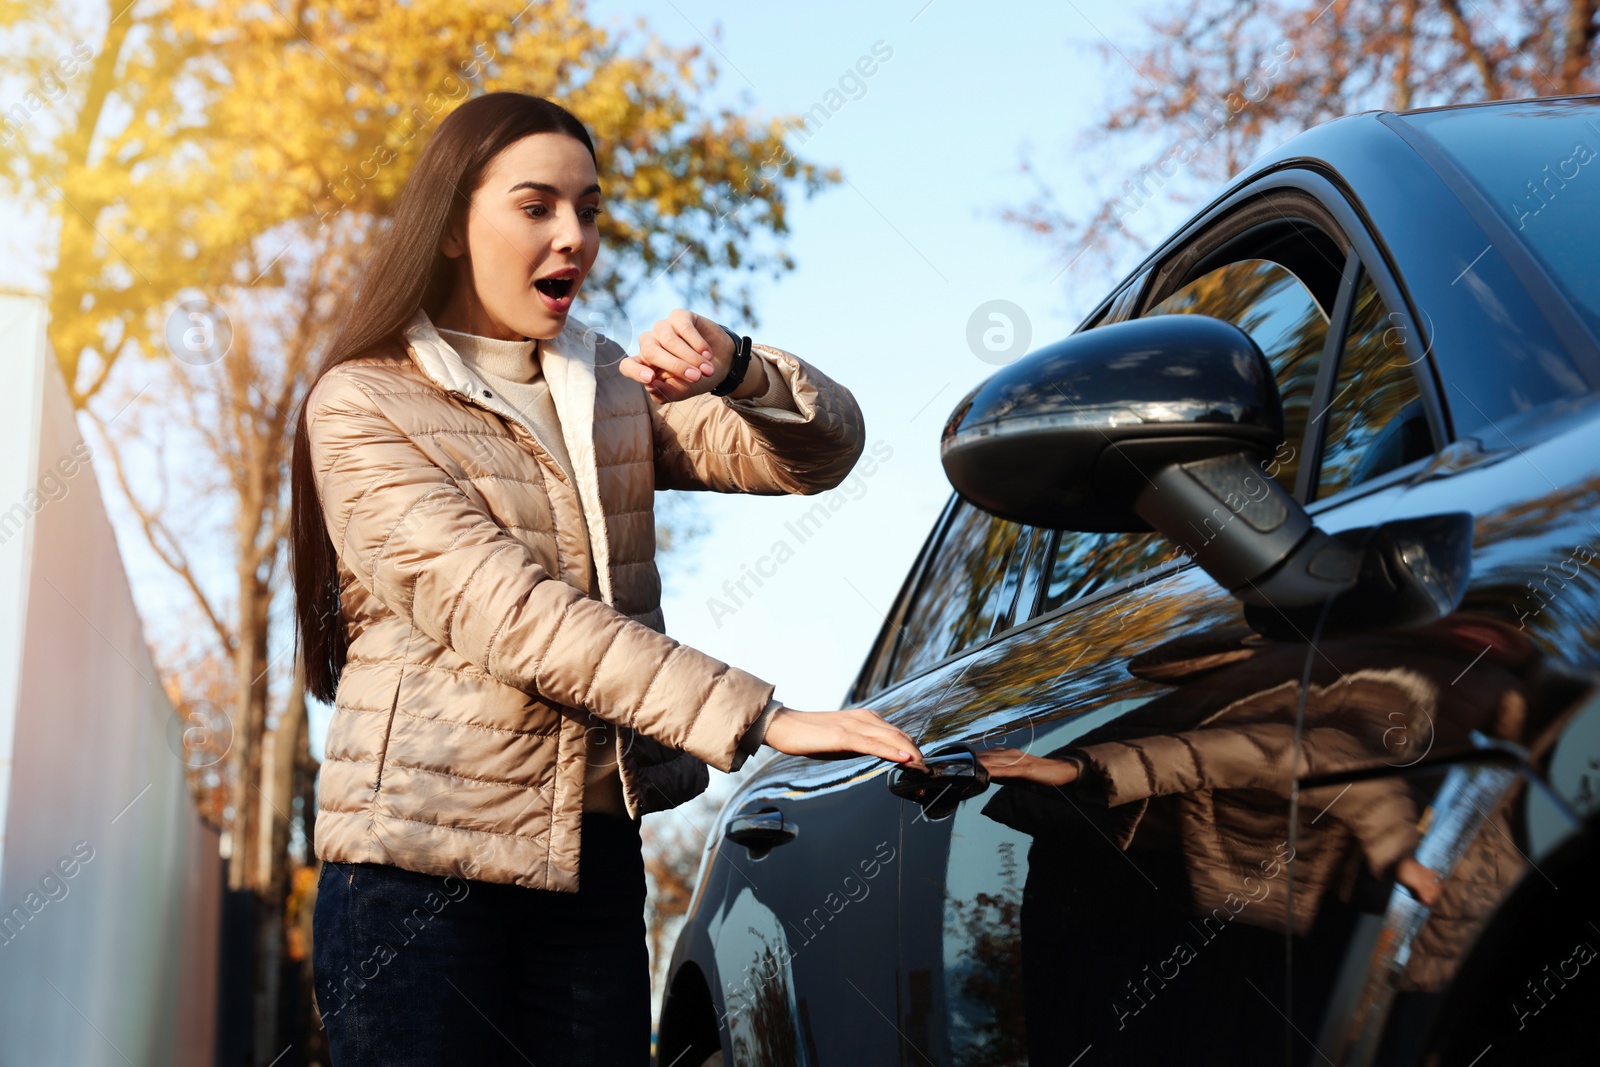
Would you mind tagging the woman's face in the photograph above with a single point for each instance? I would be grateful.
(528, 240)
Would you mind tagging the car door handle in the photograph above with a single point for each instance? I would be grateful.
(760, 831)
(954, 774)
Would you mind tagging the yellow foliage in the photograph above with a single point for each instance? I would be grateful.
(197, 142)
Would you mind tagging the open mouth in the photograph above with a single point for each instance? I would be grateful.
(555, 288)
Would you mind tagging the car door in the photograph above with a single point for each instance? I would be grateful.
(805, 930)
(1038, 922)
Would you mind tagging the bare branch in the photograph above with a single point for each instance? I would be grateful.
(162, 541)
(1461, 31)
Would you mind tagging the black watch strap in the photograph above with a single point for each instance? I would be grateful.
(741, 363)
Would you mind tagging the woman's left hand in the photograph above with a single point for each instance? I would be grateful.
(686, 354)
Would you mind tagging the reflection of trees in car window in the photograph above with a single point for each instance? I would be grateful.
(1020, 589)
(1085, 562)
(959, 598)
(1278, 312)
(1375, 418)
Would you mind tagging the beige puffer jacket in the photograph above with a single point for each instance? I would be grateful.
(457, 744)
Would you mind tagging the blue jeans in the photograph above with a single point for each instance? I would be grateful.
(416, 969)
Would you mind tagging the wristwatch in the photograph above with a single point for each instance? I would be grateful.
(741, 362)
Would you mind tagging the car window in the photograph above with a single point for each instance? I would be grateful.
(1086, 562)
(1019, 592)
(1375, 420)
(1270, 304)
(963, 591)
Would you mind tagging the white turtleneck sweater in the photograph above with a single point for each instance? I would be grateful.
(511, 370)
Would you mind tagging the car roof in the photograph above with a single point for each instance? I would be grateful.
(1339, 141)
(1520, 104)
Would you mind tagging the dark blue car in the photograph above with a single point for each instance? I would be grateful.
(1254, 659)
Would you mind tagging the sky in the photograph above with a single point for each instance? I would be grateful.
(897, 267)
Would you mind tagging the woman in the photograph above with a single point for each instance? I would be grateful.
(473, 551)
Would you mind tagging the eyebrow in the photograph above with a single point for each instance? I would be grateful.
(545, 187)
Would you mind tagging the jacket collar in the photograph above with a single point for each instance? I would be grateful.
(568, 362)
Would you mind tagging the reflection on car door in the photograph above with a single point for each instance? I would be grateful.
(1036, 921)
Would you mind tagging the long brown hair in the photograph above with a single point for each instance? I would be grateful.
(404, 271)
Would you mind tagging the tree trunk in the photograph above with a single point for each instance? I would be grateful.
(280, 758)
(1402, 62)
(1578, 39)
(249, 721)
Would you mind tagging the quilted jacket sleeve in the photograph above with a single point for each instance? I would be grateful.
(431, 554)
(728, 446)
(1380, 812)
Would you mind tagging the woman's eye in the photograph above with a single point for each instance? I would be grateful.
(539, 211)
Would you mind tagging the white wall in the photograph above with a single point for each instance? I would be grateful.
(109, 882)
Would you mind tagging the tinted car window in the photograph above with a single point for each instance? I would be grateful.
(1375, 421)
(1086, 562)
(1023, 579)
(960, 595)
(1270, 304)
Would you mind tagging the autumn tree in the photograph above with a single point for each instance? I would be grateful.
(1213, 83)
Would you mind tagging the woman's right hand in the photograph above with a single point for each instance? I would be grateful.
(839, 735)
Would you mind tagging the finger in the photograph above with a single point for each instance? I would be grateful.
(694, 360)
(636, 370)
(893, 744)
(890, 752)
(661, 388)
(689, 329)
(679, 362)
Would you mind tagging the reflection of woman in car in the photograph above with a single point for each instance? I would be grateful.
(1162, 847)
(1230, 771)
(1223, 758)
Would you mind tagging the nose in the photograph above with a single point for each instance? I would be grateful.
(569, 233)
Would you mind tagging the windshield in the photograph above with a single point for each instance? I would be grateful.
(1539, 165)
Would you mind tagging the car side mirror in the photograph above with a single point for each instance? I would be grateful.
(1166, 423)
